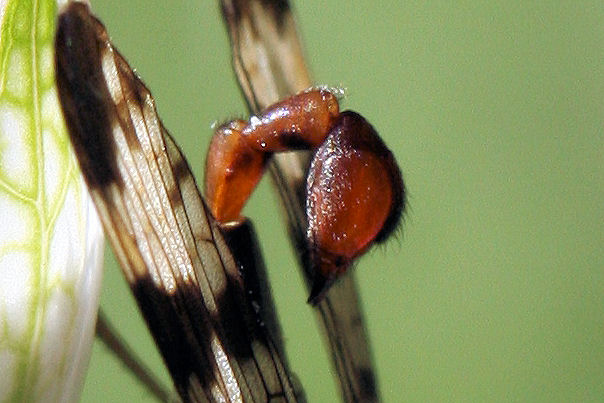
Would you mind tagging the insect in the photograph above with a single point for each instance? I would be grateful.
(215, 338)
(355, 193)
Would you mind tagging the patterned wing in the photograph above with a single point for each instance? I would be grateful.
(182, 274)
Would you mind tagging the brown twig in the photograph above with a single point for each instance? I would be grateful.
(112, 340)
(269, 64)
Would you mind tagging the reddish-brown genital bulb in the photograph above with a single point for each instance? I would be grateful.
(355, 191)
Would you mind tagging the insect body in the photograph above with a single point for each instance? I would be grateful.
(355, 193)
(216, 342)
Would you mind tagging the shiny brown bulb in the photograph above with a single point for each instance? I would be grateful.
(355, 192)
(355, 196)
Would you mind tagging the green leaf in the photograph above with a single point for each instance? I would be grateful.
(51, 241)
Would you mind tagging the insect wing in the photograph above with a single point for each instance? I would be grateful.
(172, 254)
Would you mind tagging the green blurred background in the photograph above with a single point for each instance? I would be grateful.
(495, 111)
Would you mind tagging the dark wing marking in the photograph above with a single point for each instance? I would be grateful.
(171, 252)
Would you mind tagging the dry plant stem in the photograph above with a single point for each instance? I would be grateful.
(111, 338)
(269, 64)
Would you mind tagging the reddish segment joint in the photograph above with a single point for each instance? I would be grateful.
(355, 192)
